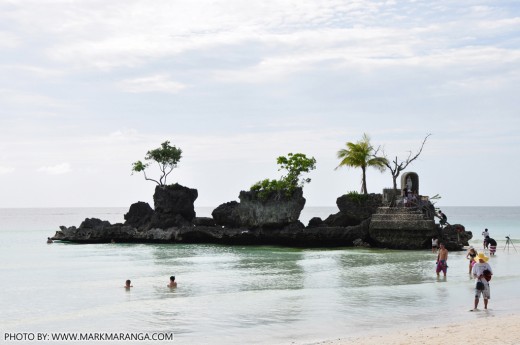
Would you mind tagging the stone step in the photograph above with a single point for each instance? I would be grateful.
(398, 210)
(395, 224)
(403, 217)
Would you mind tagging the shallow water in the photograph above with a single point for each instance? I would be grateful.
(230, 295)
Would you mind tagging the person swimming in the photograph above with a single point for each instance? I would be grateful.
(173, 283)
(128, 284)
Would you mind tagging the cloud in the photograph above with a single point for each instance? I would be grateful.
(59, 169)
(124, 135)
(155, 83)
(27, 70)
(23, 98)
(292, 35)
(6, 170)
(8, 41)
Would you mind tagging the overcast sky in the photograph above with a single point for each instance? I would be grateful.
(88, 87)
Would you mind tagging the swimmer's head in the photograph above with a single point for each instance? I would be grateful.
(172, 278)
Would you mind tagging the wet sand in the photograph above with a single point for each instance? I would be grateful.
(485, 329)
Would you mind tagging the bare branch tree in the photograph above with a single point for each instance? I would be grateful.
(397, 166)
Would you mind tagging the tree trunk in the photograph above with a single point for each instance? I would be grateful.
(394, 194)
(364, 182)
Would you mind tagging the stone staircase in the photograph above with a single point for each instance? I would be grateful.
(401, 227)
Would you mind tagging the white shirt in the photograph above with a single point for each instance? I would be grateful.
(479, 268)
(485, 233)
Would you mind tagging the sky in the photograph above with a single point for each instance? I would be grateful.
(88, 87)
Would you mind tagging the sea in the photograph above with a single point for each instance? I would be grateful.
(74, 293)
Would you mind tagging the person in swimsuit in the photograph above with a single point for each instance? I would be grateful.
(470, 255)
(442, 260)
(173, 283)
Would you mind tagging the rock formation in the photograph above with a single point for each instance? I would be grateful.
(174, 206)
(139, 215)
(354, 208)
(276, 211)
(227, 215)
(361, 221)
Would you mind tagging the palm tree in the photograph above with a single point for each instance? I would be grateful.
(361, 155)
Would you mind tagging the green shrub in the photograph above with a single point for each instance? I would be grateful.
(267, 188)
(295, 164)
(356, 197)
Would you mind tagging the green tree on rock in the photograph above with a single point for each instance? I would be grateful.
(166, 157)
(295, 165)
(361, 155)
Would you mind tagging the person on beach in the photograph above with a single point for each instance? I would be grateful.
(442, 260)
(128, 284)
(444, 219)
(470, 255)
(435, 244)
(173, 283)
(485, 234)
(492, 245)
(482, 273)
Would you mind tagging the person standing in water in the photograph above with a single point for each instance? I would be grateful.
(442, 260)
(482, 273)
(485, 234)
(471, 254)
(492, 244)
(435, 244)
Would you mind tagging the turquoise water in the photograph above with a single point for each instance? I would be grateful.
(233, 295)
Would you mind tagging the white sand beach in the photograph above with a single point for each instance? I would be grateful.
(500, 330)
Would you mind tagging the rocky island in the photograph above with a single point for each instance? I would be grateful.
(269, 212)
(361, 221)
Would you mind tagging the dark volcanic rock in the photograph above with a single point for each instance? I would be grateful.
(174, 206)
(227, 215)
(175, 199)
(341, 219)
(93, 230)
(315, 222)
(362, 206)
(203, 221)
(276, 211)
(166, 220)
(139, 215)
(90, 223)
(295, 235)
(455, 233)
(270, 221)
(353, 209)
